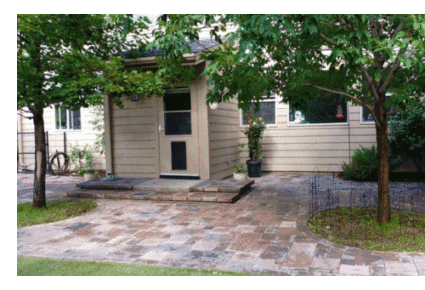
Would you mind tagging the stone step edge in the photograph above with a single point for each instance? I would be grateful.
(212, 189)
(182, 196)
(222, 189)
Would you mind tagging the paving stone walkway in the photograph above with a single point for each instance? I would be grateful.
(56, 186)
(263, 232)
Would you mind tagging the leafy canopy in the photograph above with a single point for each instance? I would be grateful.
(360, 57)
(69, 59)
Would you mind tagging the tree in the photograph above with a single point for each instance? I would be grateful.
(69, 60)
(359, 57)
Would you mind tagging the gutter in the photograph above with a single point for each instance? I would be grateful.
(190, 59)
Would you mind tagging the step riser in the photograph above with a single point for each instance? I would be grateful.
(213, 199)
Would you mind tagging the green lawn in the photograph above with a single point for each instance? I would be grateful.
(54, 211)
(50, 267)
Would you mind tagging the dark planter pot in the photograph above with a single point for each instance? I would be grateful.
(254, 168)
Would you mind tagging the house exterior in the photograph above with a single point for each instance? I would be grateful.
(77, 126)
(179, 136)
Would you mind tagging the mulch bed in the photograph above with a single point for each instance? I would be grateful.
(358, 227)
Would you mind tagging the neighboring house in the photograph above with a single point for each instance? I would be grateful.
(178, 135)
(78, 129)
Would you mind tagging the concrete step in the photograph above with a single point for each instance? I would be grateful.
(116, 184)
(160, 185)
(108, 194)
(220, 197)
(229, 186)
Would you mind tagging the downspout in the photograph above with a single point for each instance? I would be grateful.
(107, 119)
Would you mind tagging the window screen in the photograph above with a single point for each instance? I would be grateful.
(322, 110)
(267, 111)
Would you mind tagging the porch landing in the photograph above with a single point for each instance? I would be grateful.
(223, 191)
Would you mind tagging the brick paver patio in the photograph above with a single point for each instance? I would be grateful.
(263, 232)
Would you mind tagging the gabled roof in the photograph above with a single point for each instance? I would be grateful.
(196, 46)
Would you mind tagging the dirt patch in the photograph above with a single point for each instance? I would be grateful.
(358, 227)
(395, 177)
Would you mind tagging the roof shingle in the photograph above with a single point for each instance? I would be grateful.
(196, 46)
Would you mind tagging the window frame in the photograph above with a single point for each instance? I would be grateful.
(370, 122)
(292, 124)
(67, 120)
(264, 100)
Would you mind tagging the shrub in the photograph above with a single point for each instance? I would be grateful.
(407, 136)
(364, 165)
(77, 157)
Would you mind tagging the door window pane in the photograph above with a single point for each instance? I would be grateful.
(177, 123)
(177, 102)
(178, 155)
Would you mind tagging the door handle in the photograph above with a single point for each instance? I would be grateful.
(160, 128)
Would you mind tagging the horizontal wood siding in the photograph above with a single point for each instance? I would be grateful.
(134, 139)
(74, 138)
(224, 140)
(311, 147)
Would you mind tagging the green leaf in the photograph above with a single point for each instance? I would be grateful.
(407, 63)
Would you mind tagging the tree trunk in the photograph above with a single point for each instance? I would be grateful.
(384, 211)
(39, 197)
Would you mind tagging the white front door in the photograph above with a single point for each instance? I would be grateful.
(178, 134)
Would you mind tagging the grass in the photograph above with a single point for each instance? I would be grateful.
(50, 267)
(358, 227)
(54, 211)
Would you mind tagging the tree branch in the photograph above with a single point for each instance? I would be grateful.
(357, 101)
(328, 40)
(370, 82)
(273, 78)
(392, 73)
(373, 27)
(26, 117)
(397, 30)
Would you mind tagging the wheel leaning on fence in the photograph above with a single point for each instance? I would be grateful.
(59, 163)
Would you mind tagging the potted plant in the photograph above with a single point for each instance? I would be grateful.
(77, 157)
(240, 173)
(89, 174)
(254, 132)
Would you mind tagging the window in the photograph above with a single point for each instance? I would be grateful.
(324, 109)
(267, 111)
(366, 116)
(67, 119)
